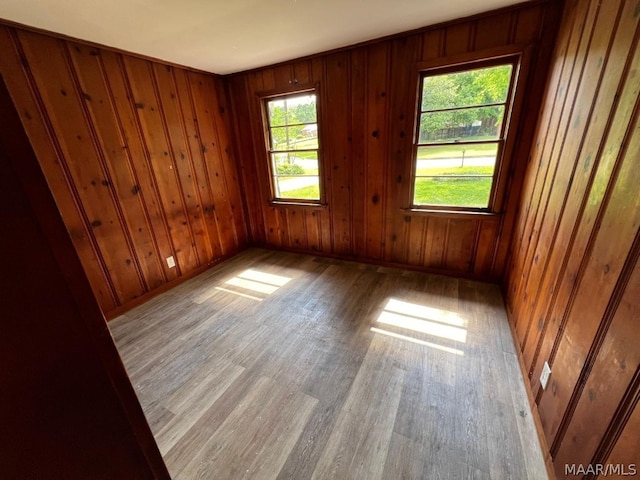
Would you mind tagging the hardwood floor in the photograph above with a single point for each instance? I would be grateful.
(277, 366)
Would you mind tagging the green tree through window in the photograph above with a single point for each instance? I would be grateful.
(460, 135)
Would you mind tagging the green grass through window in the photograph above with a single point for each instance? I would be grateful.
(305, 193)
(453, 191)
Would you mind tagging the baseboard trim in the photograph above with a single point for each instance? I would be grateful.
(382, 263)
(546, 451)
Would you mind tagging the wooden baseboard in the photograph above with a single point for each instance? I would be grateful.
(382, 263)
(111, 314)
(546, 451)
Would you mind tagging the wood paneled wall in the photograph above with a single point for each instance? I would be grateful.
(573, 281)
(138, 156)
(68, 407)
(367, 98)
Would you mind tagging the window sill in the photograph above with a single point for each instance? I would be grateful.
(294, 203)
(433, 212)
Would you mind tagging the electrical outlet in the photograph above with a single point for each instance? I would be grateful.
(544, 376)
(171, 262)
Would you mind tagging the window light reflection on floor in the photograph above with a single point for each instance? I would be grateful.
(422, 311)
(435, 329)
(418, 341)
(255, 281)
(421, 319)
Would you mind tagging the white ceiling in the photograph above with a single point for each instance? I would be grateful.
(225, 36)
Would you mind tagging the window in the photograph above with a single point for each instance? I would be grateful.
(461, 131)
(292, 143)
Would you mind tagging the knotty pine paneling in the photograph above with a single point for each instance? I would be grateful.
(138, 156)
(573, 280)
(367, 98)
(69, 409)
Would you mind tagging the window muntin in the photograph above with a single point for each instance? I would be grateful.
(293, 147)
(460, 134)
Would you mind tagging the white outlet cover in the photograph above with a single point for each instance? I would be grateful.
(171, 262)
(544, 376)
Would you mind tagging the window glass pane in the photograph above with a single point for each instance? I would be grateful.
(290, 164)
(452, 192)
(308, 161)
(292, 110)
(462, 89)
(455, 175)
(283, 158)
(470, 154)
(277, 113)
(303, 109)
(298, 187)
(482, 123)
(293, 138)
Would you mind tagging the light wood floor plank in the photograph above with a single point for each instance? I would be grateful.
(192, 400)
(257, 436)
(361, 435)
(280, 365)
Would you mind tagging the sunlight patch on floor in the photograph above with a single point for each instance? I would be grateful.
(422, 320)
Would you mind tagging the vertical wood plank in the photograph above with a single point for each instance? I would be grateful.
(169, 102)
(416, 240)
(574, 268)
(20, 82)
(461, 239)
(129, 182)
(403, 92)
(612, 374)
(625, 450)
(232, 181)
(458, 38)
(337, 151)
(162, 165)
(100, 105)
(596, 140)
(133, 143)
(569, 141)
(82, 159)
(376, 146)
(224, 207)
(491, 32)
(207, 226)
(435, 242)
(485, 251)
(358, 86)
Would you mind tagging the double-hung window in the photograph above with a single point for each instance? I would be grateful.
(293, 147)
(462, 125)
